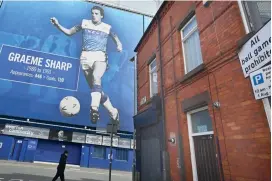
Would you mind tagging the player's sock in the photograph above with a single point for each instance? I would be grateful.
(114, 114)
(96, 97)
(113, 111)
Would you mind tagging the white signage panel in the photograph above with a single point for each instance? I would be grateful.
(94, 139)
(132, 144)
(25, 131)
(79, 137)
(124, 143)
(261, 82)
(256, 52)
(107, 140)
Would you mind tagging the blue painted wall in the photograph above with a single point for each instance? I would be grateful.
(42, 36)
(116, 164)
(7, 145)
(98, 162)
(29, 154)
(18, 144)
(85, 152)
(29, 150)
(50, 151)
(123, 165)
(23, 150)
(16, 34)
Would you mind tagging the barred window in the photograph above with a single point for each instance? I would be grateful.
(99, 152)
(121, 154)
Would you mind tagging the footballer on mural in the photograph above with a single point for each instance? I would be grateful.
(93, 58)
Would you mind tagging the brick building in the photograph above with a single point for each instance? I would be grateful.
(209, 127)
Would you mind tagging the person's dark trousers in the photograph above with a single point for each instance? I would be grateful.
(59, 174)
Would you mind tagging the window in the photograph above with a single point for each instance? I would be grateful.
(258, 13)
(191, 45)
(99, 152)
(121, 154)
(201, 122)
(153, 77)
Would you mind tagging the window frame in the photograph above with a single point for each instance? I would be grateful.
(205, 108)
(184, 38)
(151, 71)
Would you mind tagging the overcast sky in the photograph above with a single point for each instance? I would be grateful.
(142, 6)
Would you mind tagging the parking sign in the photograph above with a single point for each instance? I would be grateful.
(258, 79)
(261, 82)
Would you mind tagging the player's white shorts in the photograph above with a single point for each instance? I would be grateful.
(88, 58)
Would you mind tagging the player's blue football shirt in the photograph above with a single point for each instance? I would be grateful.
(95, 37)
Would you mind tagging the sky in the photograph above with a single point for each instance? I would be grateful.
(149, 7)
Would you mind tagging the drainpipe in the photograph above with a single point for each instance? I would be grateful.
(134, 60)
(165, 156)
(179, 142)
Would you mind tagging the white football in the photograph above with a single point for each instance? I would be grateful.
(69, 106)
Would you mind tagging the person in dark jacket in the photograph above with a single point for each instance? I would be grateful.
(61, 166)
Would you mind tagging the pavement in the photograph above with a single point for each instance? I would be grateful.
(22, 171)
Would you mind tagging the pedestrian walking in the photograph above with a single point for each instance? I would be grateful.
(61, 166)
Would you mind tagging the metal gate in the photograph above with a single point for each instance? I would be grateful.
(206, 162)
(150, 153)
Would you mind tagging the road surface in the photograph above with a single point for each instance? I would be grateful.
(20, 171)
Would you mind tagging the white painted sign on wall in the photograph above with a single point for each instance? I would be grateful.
(261, 82)
(107, 140)
(94, 139)
(256, 52)
(124, 143)
(110, 155)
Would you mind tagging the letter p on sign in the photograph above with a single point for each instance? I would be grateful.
(258, 79)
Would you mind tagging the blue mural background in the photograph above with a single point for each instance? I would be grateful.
(26, 24)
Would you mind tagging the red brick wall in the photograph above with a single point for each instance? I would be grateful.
(240, 123)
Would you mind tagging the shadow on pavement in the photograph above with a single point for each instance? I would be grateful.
(27, 177)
